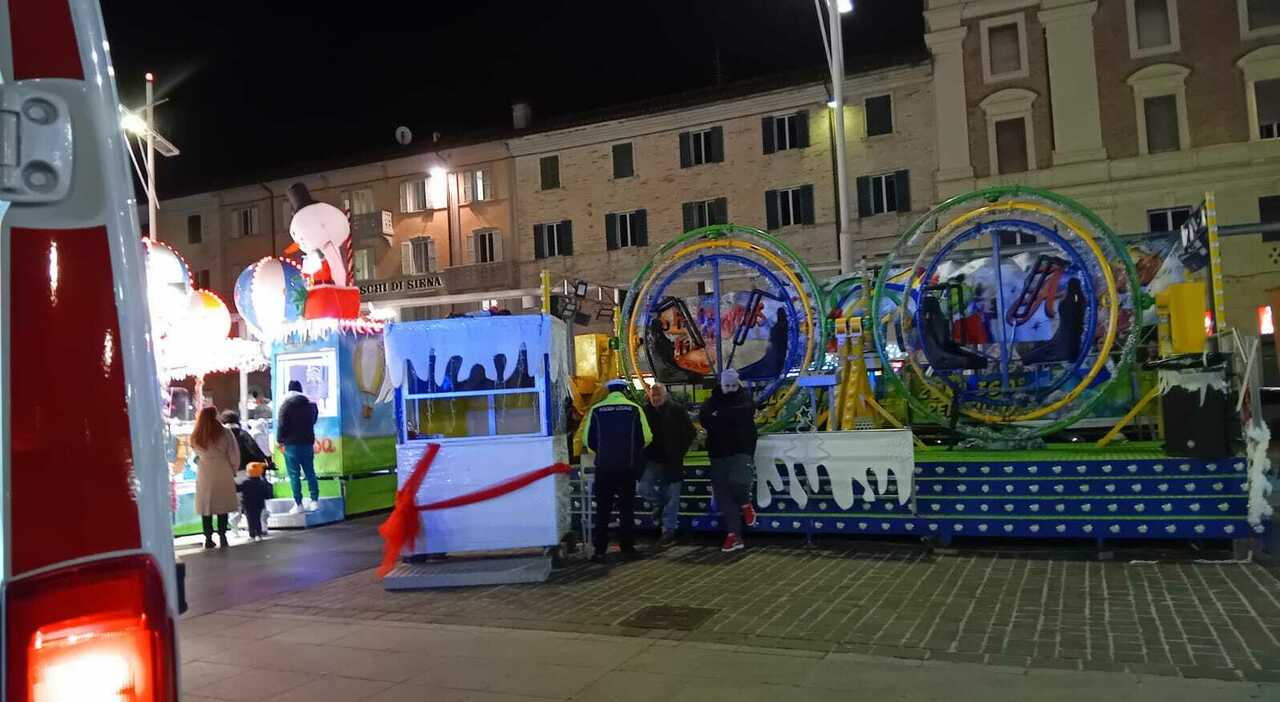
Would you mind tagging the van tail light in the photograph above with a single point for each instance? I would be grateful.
(97, 632)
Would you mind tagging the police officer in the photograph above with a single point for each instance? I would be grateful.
(616, 432)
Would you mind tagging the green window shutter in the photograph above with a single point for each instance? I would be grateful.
(539, 250)
(802, 129)
(903, 179)
(565, 238)
(686, 150)
(717, 145)
(771, 209)
(864, 196)
(623, 167)
(690, 212)
(611, 231)
(719, 211)
(640, 228)
(806, 204)
(766, 131)
(550, 166)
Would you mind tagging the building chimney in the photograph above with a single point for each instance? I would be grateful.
(520, 115)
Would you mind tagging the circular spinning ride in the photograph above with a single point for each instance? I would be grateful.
(1016, 315)
(722, 297)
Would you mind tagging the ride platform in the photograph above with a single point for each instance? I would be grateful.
(1132, 491)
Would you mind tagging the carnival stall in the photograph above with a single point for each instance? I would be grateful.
(190, 330)
(481, 453)
(309, 317)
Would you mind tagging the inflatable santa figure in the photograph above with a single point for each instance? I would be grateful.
(322, 233)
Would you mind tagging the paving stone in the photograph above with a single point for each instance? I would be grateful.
(1212, 673)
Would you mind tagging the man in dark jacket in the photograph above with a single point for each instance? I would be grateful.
(673, 432)
(616, 431)
(296, 435)
(728, 416)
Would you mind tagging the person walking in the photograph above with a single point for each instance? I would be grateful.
(296, 435)
(254, 493)
(250, 453)
(673, 433)
(728, 417)
(217, 459)
(617, 431)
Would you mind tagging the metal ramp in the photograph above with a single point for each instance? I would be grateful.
(469, 571)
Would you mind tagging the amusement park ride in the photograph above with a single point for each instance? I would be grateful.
(955, 391)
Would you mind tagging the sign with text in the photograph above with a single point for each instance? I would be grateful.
(412, 285)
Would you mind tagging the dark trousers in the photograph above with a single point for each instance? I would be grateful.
(615, 487)
(255, 521)
(206, 522)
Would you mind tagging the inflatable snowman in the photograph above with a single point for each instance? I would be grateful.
(321, 232)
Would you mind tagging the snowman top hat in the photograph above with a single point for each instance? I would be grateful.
(299, 196)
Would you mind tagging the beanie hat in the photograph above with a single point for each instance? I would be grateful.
(255, 469)
(729, 381)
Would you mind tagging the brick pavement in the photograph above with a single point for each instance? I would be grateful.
(1181, 618)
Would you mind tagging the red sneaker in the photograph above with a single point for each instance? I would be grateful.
(749, 515)
(732, 543)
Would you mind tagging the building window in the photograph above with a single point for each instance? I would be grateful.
(1258, 17)
(1161, 115)
(413, 195)
(1261, 69)
(623, 165)
(1167, 219)
(202, 279)
(1013, 237)
(418, 256)
(784, 208)
(1266, 95)
(357, 202)
(553, 239)
(625, 229)
(1011, 145)
(549, 170)
(1004, 48)
(785, 132)
(1269, 213)
(886, 192)
(362, 263)
(1160, 102)
(702, 146)
(879, 115)
(704, 213)
(244, 222)
(195, 229)
(484, 246)
(1153, 27)
(477, 185)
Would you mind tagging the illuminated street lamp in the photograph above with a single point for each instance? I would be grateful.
(140, 127)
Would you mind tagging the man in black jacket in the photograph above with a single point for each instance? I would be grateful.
(296, 435)
(728, 416)
(673, 432)
(617, 431)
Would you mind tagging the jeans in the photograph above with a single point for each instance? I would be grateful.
(612, 487)
(731, 485)
(665, 494)
(299, 459)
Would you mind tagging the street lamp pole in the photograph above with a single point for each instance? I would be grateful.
(834, 44)
(151, 158)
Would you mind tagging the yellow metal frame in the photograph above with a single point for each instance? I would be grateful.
(633, 338)
(1113, 313)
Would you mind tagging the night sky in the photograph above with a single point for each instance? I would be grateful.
(258, 89)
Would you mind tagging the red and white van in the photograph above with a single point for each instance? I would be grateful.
(90, 591)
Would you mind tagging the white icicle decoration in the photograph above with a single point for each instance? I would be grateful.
(1191, 381)
(1257, 439)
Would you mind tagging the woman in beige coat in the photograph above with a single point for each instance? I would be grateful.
(218, 458)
